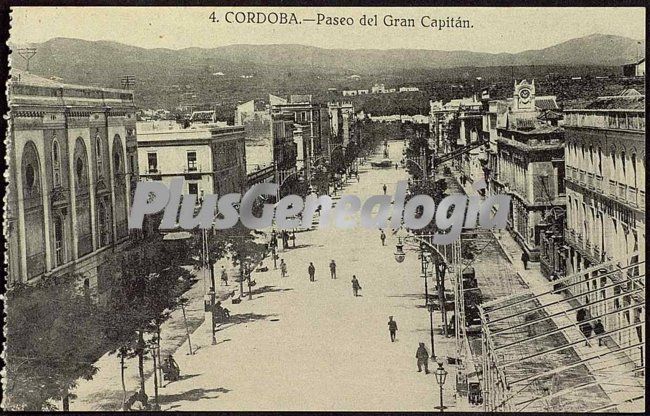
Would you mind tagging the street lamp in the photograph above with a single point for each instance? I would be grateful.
(441, 377)
(209, 297)
(425, 257)
(399, 251)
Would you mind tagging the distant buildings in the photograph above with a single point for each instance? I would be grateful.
(378, 89)
(72, 170)
(349, 93)
(211, 159)
(306, 114)
(636, 69)
(203, 117)
(408, 89)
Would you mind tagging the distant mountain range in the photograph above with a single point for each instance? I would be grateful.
(199, 70)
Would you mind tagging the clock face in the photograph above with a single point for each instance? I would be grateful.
(524, 94)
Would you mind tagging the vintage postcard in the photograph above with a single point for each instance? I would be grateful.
(437, 209)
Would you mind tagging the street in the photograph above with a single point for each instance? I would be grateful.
(301, 345)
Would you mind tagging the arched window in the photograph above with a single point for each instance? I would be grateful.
(600, 161)
(633, 161)
(79, 168)
(116, 162)
(104, 232)
(623, 167)
(59, 241)
(30, 177)
(98, 152)
(56, 163)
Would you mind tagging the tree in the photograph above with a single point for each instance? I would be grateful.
(52, 341)
(147, 285)
(245, 252)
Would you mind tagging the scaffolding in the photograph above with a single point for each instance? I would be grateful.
(539, 353)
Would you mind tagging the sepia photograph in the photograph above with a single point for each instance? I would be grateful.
(246, 208)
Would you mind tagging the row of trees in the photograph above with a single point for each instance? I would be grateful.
(58, 329)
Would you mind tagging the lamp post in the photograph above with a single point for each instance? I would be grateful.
(441, 377)
(399, 257)
(274, 243)
(156, 405)
(182, 236)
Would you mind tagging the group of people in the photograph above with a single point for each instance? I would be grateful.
(587, 328)
(356, 286)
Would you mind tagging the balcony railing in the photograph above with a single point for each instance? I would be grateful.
(621, 191)
(590, 180)
(192, 169)
(612, 119)
(598, 183)
(612, 188)
(581, 176)
(632, 194)
(642, 199)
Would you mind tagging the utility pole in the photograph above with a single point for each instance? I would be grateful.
(128, 81)
(26, 54)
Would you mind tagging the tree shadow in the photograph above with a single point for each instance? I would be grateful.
(191, 395)
(409, 295)
(298, 246)
(269, 289)
(243, 318)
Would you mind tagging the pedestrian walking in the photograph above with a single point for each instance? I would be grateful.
(524, 259)
(224, 276)
(599, 329)
(333, 269)
(356, 287)
(396, 165)
(357, 175)
(283, 268)
(385, 189)
(392, 328)
(312, 271)
(383, 238)
(422, 355)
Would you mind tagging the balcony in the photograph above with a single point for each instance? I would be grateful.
(581, 176)
(632, 194)
(192, 168)
(612, 188)
(615, 119)
(642, 199)
(598, 183)
(621, 191)
(590, 181)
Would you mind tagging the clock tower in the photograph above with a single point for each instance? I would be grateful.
(524, 96)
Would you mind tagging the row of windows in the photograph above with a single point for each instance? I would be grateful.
(152, 162)
(30, 182)
(595, 160)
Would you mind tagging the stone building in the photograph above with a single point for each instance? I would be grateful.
(72, 170)
(529, 165)
(211, 159)
(605, 158)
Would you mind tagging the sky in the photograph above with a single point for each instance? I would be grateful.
(493, 30)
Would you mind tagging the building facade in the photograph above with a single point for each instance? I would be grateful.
(210, 159)
(72, 170)
(529, 166)
(605, 158)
